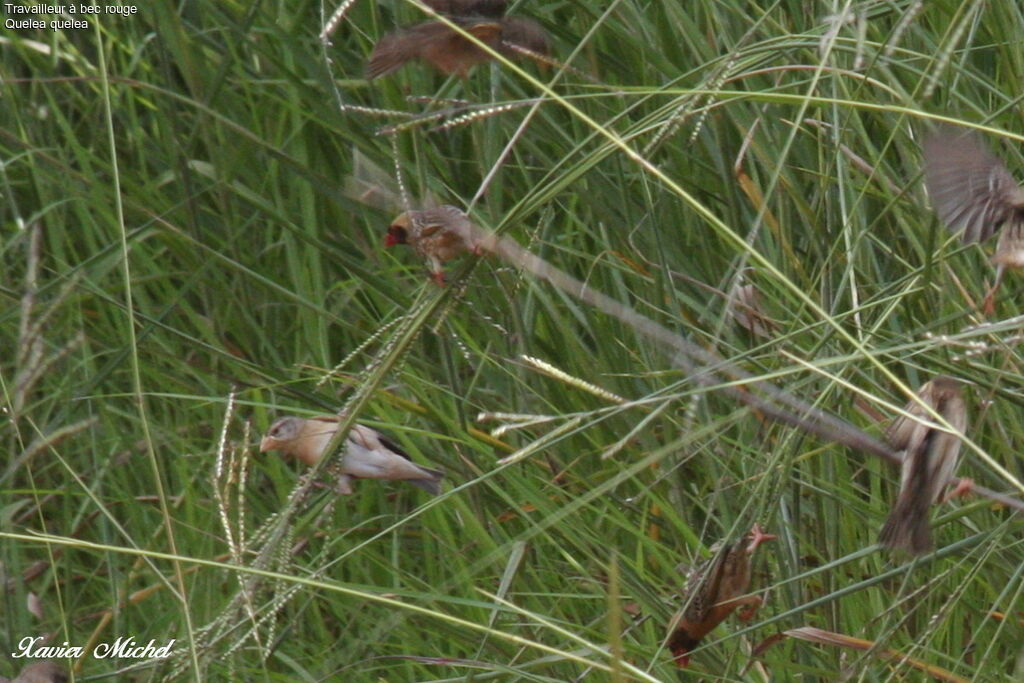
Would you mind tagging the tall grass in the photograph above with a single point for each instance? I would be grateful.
(180, 261)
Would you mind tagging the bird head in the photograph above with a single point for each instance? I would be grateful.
(281, 432)
(398, 231)
(681, 644)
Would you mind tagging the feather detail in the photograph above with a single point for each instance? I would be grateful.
(930, 455)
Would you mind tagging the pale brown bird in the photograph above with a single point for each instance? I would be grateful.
(748, 312)
(930, 456)
(972, 191)
(714, 591)
(368, 454)
(438, 235)
(40, 672)
(448, 51)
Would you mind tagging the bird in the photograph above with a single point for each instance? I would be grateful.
(748, 312)
(438, 234)
(45, 671)
(714, 590)
(450, 52)
(368, 453)
(972, 191)
(930, 456)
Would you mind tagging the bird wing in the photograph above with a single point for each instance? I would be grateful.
(969, 187)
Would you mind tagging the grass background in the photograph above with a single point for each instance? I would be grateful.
(175, 232)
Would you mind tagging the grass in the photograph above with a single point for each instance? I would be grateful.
(182, 265)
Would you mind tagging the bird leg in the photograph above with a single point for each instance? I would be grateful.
(988, 306)
(962, 488)
(751, 603)
(757, 537)
(436, 272)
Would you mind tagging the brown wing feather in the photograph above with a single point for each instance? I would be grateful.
(969, 187)
(525, 33)
(395, 49)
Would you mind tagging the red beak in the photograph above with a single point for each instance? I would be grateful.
(390, 240)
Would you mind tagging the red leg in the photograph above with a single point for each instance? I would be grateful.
(989, 305)
(962, 488)
(752, 603)
(757, 537)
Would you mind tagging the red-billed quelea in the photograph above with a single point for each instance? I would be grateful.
(449, 51)
(438, 235)
(930, 455)
(713, 592)
(972, 191)
(368, 454)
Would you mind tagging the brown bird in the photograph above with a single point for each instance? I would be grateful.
(930, 455)
(714, 591)
(972, 191)
(438, 235)
(40, 672)
(748, 312)
(368, 453)
(450, 52)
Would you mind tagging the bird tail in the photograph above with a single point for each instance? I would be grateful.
(908, 527)
(431, 485)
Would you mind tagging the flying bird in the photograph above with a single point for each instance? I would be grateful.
(971, 191)
(449, 51)
(713, 592)
(930, 455)
(368, 453)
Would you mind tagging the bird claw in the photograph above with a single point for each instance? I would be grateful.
(962, 488)
(757, 537)
(988, 307)
(748, 612)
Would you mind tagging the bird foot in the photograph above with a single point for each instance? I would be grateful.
(748, 612)
(962, 488)
(757, 537)
(988, 306)
(438, 277)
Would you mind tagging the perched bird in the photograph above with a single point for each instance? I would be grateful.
(44, 671)
(748, 312)
(368, 453)
(714, 591)
(438, 235)
(972, 191)
(929, 460)
(449, 51)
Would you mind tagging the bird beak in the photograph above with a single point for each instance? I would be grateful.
(266, 444)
